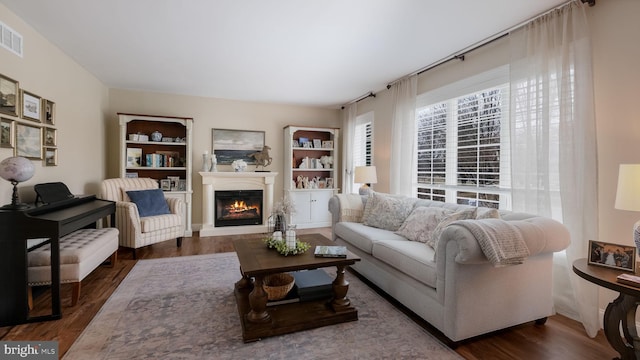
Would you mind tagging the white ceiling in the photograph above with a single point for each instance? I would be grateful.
(322, 53)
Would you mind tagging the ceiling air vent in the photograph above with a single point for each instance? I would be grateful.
(10, 39)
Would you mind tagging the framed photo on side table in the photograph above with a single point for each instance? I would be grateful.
(615, 256)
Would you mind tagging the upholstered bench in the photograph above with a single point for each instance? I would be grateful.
(80, 253)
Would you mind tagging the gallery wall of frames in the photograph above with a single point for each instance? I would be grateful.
(27, 123)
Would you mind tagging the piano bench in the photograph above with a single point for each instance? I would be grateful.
(80, 253)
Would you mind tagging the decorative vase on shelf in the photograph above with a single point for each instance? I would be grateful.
(156, 136)
(206, 161)
(214, 162)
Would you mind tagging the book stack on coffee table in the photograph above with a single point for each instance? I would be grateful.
(313, 284)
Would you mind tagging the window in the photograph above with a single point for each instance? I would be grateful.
(462, 142)
(363, 142)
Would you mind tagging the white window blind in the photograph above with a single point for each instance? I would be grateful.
(363, 142)
(462, 142)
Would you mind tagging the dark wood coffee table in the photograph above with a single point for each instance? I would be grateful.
(257, 261)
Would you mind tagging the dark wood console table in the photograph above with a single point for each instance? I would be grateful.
(52, 222)
(622, 310)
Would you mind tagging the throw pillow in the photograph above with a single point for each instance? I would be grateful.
(488, 213)
(386, 211)
(421, 223)
(459, 215)
(149, 202)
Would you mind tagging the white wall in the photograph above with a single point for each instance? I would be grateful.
(617, 89)
(81, 101)
(209, 113)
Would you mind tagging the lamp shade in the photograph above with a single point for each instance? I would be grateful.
(365, 175)
(16, 169)
(628, 193)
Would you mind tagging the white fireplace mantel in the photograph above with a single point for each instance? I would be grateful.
(226, 181)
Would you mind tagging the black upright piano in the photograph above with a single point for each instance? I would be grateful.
(53, 221)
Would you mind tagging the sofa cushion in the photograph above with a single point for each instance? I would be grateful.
(149, 202)
(410, 257)
(362, 236)
(459, 215)
(387, 211)
(421, 223)
(159, 222)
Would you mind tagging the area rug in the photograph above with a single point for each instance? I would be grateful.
(184, 308)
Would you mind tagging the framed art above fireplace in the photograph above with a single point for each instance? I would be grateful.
(229, 145)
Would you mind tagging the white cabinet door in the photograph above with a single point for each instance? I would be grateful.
(320, 207)
(301, 201)
(312, 208)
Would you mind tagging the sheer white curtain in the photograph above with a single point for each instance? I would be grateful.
(553, 163)
(403, 136)
(349, 115)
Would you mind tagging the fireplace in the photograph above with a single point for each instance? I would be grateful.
(214, 182)
(238, 207)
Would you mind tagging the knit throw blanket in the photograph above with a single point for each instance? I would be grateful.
(350, 207)
(501, 242)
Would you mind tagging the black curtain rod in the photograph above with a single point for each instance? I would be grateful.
(370, 94)
(460, 55)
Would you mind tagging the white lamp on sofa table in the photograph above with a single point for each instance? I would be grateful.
(365, 175)
(628, 194)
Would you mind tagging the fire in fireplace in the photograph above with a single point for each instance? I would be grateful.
(238, 207)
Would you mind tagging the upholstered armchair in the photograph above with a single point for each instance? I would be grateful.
(143, 215)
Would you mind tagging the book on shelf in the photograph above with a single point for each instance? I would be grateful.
(628, 279)
(331, 251)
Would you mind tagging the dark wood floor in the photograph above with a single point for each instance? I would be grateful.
(559, 338)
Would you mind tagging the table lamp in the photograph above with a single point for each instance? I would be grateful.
(628, 194)
(365, 175)
(16, 169)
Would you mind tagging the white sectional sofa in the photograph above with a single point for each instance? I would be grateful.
(454, 287)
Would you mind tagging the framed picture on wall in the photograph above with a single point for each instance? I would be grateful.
(6, 133)
(49, 112)
(31, 106)
(49, 138)
(9, 93)
(28, 141)
(229, 145)
(50, 156)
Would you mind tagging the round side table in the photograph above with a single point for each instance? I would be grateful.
(622, 310)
